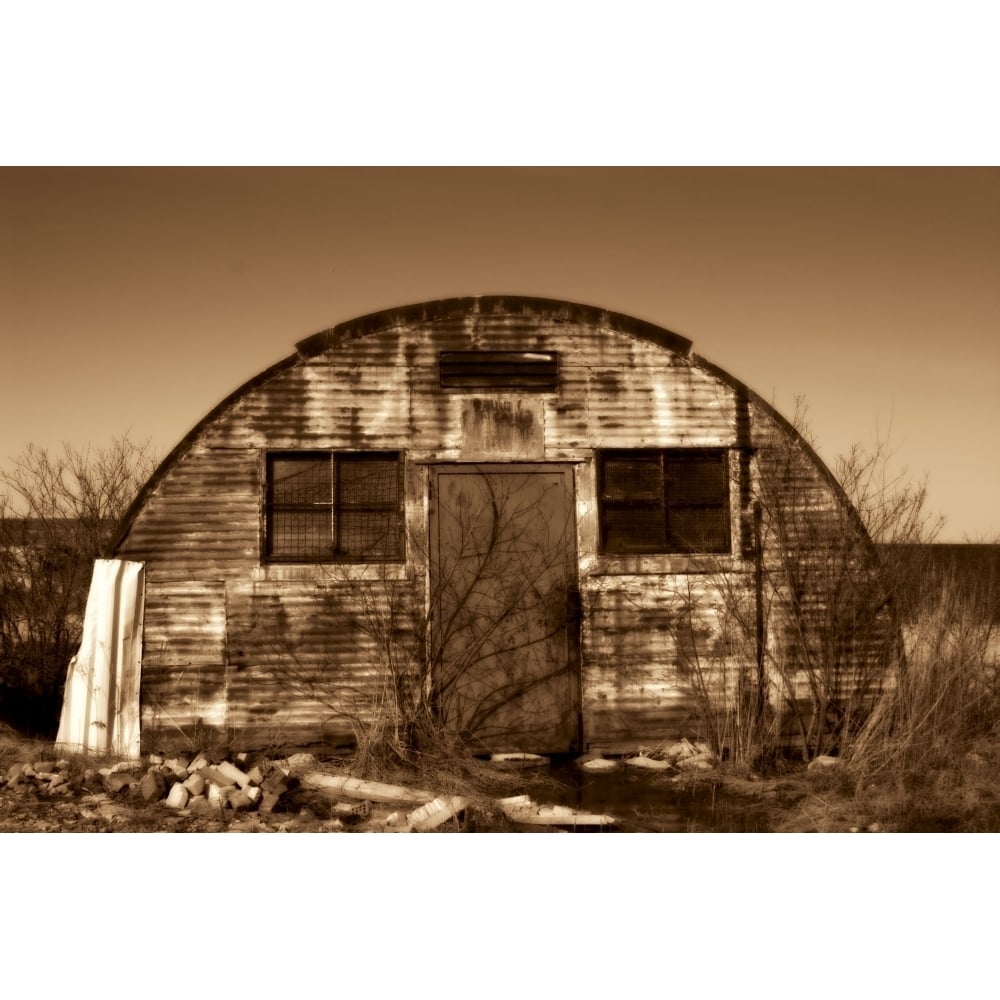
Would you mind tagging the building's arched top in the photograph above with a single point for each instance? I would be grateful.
(471, 307)
(466, 310)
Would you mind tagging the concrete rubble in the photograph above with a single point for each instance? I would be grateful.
(285, 794)
(680, 756)
(524, 810)
(298, 791)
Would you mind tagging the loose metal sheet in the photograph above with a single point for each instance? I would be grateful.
(100, 712)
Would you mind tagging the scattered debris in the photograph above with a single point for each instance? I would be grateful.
(356, 788)
(522, 809)
(432, 814)
(518, 761)
(217, 794)
(823, 761)
(649, 763)
(596, 763)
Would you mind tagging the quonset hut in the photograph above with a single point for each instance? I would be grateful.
(557, 523)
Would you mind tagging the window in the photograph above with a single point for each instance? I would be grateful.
(324, 507)
(516, 371)
(664, 501)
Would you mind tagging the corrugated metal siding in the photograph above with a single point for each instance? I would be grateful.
(650, 642)
(200, 529)
(300, 656)
(184, 656)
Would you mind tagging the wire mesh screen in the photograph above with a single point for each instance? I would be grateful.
(696, 487)
(695, 480)
(334, 507)
(299, 506)
(634, 479)
(369, 508)
(664, 501)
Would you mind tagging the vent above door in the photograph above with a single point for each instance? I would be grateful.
(519, 371)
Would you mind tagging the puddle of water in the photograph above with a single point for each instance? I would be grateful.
(644, 802)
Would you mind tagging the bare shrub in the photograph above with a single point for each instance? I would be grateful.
(813, 620)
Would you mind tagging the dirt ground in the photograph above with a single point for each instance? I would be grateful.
(83, 802)
(824, 800)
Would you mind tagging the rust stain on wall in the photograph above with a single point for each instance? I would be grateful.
(502, 428)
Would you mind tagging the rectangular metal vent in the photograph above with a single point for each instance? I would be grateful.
(521, 371)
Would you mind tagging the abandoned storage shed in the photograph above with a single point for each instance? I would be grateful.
(558, 524)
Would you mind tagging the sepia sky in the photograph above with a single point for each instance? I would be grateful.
(135, 299)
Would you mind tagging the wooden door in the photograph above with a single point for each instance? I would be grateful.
(504, 636)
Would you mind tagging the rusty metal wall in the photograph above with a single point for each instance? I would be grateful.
(258, 649)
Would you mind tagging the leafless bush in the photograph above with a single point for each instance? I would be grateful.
(816, 618)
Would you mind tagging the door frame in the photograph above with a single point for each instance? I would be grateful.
(574, 610)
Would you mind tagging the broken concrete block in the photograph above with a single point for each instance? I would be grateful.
(155, 758)
(276, 781)
(129, 766)
(233, 773)
(198, 763)
(255, 775)
(269, 801)
(301, 760)
(518, 761)
(177, 766)
(356, 788)
(153, 786)
(178, 797)
(648, 763)
(44, 766)
(253, 793)
(598, 764)
(195, 784)
(216, 777)
(432, 814)
(239, 801)
(15, 771)
(118, 781)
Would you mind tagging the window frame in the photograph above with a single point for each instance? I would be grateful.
(664, 503)
(334, 508)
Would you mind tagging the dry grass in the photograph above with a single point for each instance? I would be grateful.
(928, 757)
